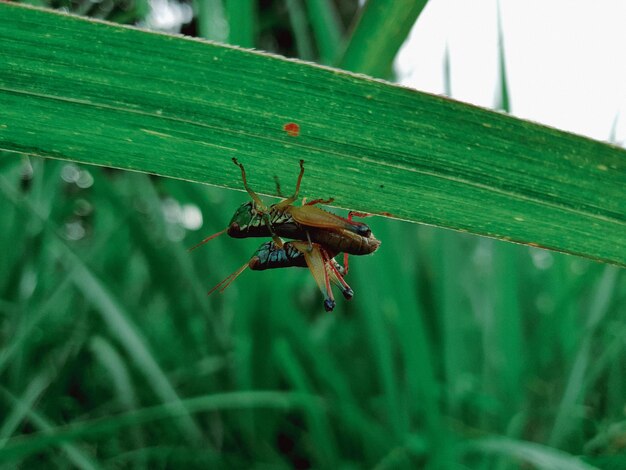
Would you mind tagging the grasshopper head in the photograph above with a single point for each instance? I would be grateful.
(248, 222)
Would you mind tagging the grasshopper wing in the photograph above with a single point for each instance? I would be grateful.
(315, 217)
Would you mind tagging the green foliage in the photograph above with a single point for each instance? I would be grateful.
(382, 27)
(456, 352)
(167, 106)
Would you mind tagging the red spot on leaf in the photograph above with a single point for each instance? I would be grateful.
(292, 129)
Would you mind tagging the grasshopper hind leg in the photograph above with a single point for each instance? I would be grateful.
(291, 199)
(317, 265)
(252, 194)
(336, 276)
(325, 270)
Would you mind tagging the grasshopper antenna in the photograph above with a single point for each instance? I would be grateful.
(207, 239)
(227, 282)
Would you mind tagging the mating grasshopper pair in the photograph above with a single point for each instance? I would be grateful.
(318, 236)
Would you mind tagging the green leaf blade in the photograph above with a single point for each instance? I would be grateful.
(379, 32)
(120, 97)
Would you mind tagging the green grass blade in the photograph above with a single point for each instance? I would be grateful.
(503, 100)
(117, 369)
(321, 432)
(79, 458)
(327, 28)
(117, 319)
(537, 455)
(10, 349)
(241, 20)
(299, 26)
(31, 394)
(378, 34)
(211, 20)
(26, 445)
(568, 417)
(169, 106)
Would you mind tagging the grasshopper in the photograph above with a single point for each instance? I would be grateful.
(306, 222)
(318, 236)
(318, 259)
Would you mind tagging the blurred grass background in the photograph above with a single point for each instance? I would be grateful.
(456, 352)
